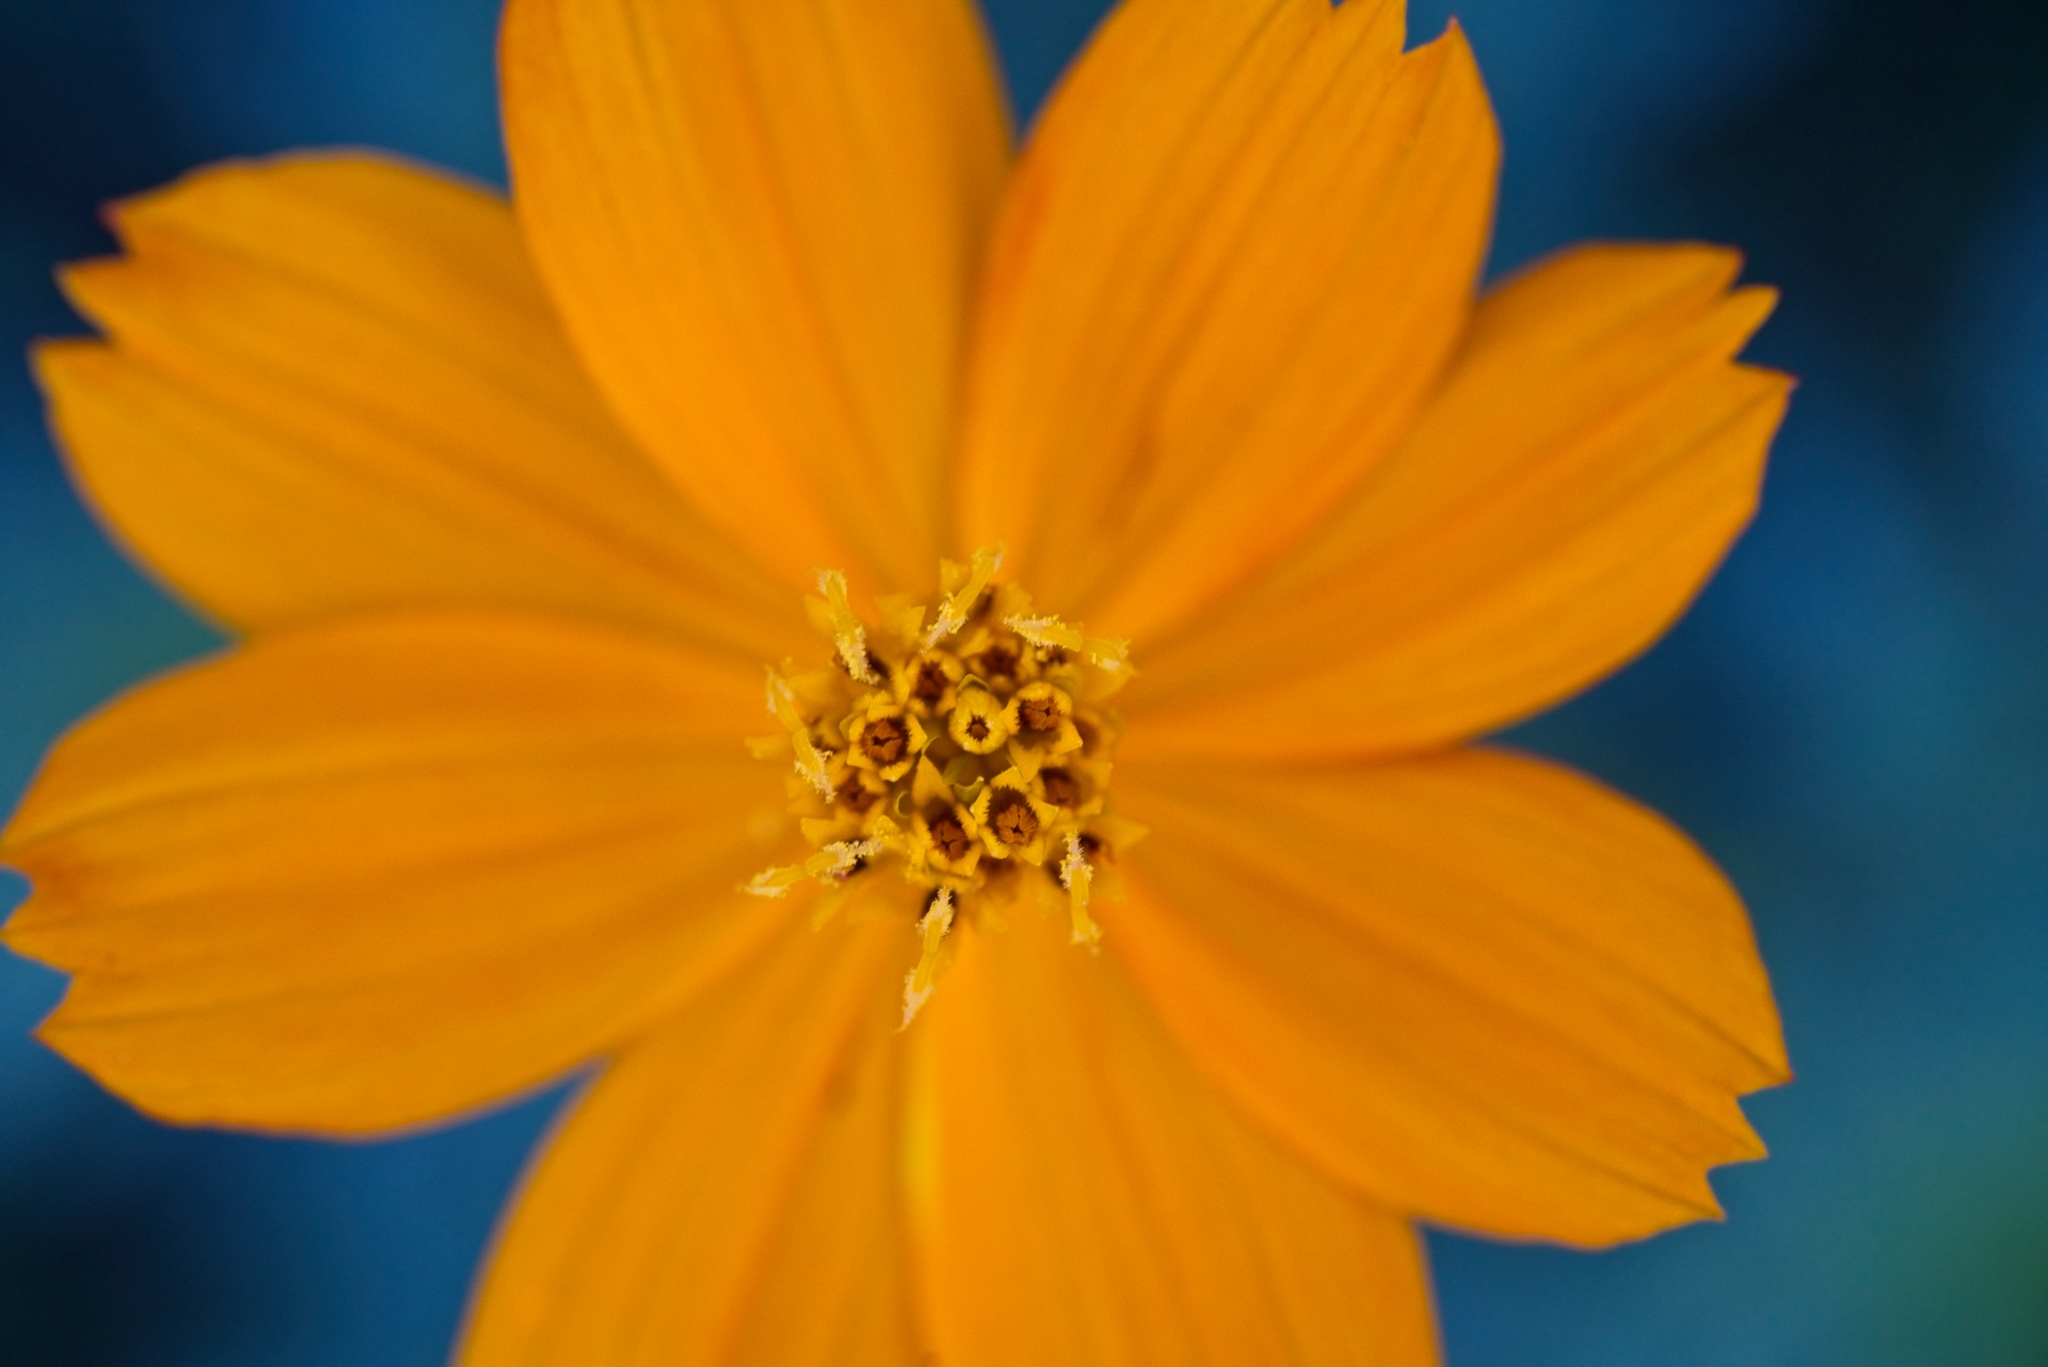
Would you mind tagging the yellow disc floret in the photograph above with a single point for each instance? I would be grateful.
(956, 769)
(977, 723)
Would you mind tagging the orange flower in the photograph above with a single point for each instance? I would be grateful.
(510, 506)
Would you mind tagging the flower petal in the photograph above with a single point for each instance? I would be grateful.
(761, 219)
(368, 874)
(1084, 1198)
(1588, 462)
(1477, 987)
(334, 383)
(728, 1191)
(1239, 249)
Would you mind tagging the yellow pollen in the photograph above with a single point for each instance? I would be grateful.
(1045, 631)
(1105, 653)
(1076, 877)
(943, 785)
(847, 633)
(809, 763)
(917, 988)
(834, 861)
(953, 613)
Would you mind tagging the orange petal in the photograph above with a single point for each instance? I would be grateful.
(368, 874)
(1588, 462)
(727, 1192)
(334, 383)
(761, 219)
(1239, 248)
(1083, 1198)
(1476, 986)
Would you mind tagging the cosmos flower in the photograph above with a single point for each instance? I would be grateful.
(943, 680)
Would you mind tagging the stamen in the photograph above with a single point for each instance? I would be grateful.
(1076, 877)
(1046, 632)
(809, 763)
(978, 725)
(775, 882)
(954, 611)
(917, 988)
(847, 632)
(1109, 654)
(956, 748)
(832, 863)
(841, 858)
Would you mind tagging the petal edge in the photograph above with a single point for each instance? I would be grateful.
(1477, 986)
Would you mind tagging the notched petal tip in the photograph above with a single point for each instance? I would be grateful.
(1556, 1052)
(1592, 453)
(377, 872)
(333, 383)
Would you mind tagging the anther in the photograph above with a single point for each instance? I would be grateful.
(842, 858)
(1111, 655)
(1077, 878)
(1108, 654)
(809, 763)
(775, 882)
(847, 633)
(960, 749)
(833, 863)
(953, 613)
(917, 988)
(1045, 632)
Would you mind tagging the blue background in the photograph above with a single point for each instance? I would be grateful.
(1854, 719)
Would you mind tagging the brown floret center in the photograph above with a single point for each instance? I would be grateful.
(1039, 714)
(884, 741)
(949, 837)
(1060, 788)
(931, 683)
(999, 662)
(1014, 821)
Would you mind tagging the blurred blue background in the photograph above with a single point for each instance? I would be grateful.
(1854, 719)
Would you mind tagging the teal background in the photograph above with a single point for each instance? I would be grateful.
(1854, 719)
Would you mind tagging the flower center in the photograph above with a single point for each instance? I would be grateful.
(953, 759)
